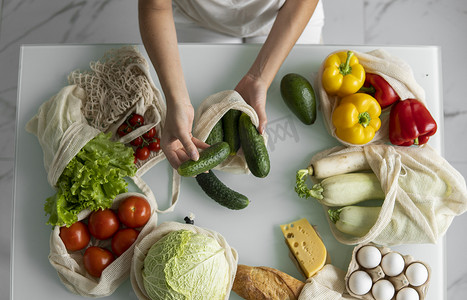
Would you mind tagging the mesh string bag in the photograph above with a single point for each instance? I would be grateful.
(118, 85)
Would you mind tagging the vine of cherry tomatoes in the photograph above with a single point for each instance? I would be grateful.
(120, 226)
(144, 144)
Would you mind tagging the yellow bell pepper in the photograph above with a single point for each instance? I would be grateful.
(342, 74)
(356, 118)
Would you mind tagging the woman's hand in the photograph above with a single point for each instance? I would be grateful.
(177, 142)
(254, 90)
(287, 28)
(159, 38)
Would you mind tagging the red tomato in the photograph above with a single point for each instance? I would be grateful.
(123, 239)
(138, 141)
(136, 120)
(103, 224)
(134, 211)
(155, 145)
(96, 259)
(123, 129)
(150, 134)
(75, 237)
(142, 153)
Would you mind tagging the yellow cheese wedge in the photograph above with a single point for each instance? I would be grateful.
(306, 246)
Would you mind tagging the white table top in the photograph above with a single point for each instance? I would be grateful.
(254, 232)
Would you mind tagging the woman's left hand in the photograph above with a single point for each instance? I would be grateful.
(254, 90)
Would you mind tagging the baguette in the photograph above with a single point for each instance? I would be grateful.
(264, 283)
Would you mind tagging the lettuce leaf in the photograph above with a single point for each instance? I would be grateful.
(91, 180)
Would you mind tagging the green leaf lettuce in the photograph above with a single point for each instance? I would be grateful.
(91, 180)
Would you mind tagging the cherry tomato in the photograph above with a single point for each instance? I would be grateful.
(142, 153)
(123, 239)
(136, 120)
(138, 141)
(96, 259)
(103, 224)
(75, 237)
(155, 145)
(123, 129)
(150, 134)
(134, 211)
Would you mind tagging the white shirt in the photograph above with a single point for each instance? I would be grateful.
(239, 18)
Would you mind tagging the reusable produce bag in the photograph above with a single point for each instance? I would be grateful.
(327, 284)
(117, 86)
(394, 70)
(70, 267)
(142, 247)
(423, 194)
(99, 101)
(211, 110)
(61, 130)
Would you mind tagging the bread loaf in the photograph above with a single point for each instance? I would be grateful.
(264, 283)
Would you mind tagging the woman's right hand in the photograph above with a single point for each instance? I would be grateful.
(177, 142)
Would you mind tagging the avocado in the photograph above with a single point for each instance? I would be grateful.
(299, 96)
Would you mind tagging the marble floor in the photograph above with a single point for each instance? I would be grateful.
(374, 22)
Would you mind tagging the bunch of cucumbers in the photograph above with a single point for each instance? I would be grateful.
(233, 131)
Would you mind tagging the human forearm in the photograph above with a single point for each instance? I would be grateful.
(288, 26)
(159, 38)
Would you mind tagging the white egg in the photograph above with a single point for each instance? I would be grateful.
(369, 257)
(416, 273)
(407, 293)
(383, 290)
(392, 264)
(360, 282)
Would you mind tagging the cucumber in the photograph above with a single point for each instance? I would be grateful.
(254, 148)
(220, 193)
(230, 127)
(299, 96)
(208, 159)
(216, 135)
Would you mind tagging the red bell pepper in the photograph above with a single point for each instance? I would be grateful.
(380, 89)
(410, 123)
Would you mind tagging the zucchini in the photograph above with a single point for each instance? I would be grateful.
(220, 193)
(216, 135)
(299, 96)
(230, 127)
(355, 220)
(347, 189)
(254, 148)
(208, 159)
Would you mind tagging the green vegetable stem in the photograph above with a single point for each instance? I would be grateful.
(300, 186)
